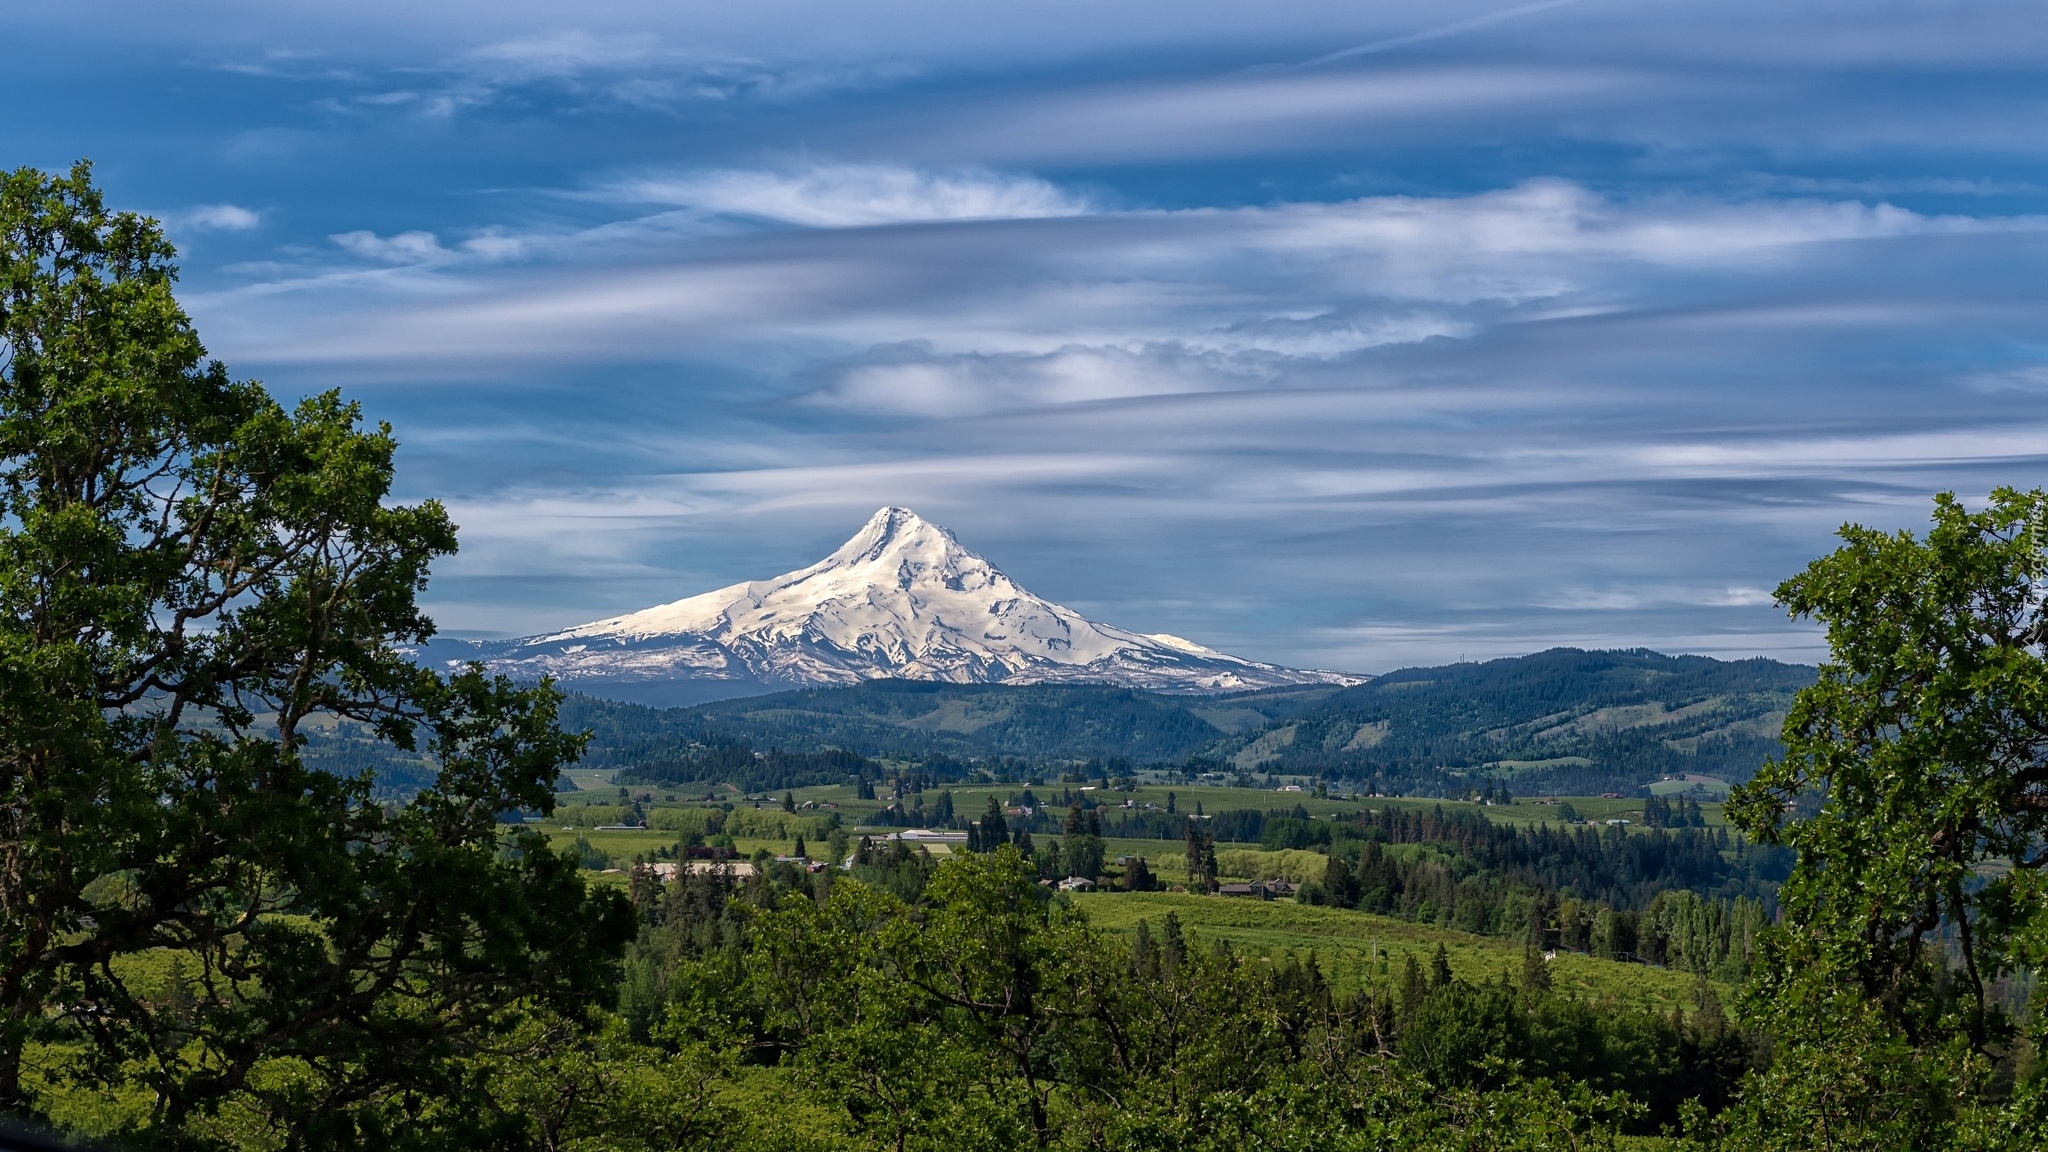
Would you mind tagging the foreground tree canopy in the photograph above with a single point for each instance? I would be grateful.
(190, 576)
(1914, 787)
(204, 943)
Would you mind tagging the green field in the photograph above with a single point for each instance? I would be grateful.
(1344, 944)
(1164, 856)
(1691, 786)
(598, 788)
(1354, 949)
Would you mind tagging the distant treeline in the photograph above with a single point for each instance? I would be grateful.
(739, 765)
(1667, 924)
(1682, 897)
(1616, 868)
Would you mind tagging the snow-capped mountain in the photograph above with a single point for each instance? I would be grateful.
(901, 599)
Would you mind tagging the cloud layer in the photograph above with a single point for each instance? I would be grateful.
(1341, 334)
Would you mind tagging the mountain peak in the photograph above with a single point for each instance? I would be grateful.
(902, 598)
(894, 529)
(891, 519)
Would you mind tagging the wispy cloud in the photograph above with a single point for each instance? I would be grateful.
(1258, 114)
(911, 380)
(565, 68)
(1500, 324)
(1018, 266)
(853, 195)
(1454, 28)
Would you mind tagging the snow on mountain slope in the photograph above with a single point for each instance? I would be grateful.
(901, 599)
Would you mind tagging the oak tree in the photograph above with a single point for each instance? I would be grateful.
(1914, 786)
(192, 578)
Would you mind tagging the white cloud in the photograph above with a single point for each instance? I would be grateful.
(1629, 599)
(913, 382)
(215, 218)
(1743, 597)
(1779, 454)
(403, 248)
(855, 195)
(1540, 225)
(424, 248)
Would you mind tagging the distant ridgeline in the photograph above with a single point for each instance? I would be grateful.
(1563, 721)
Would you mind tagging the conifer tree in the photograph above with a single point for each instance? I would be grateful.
(1413, 987)
(995, 831)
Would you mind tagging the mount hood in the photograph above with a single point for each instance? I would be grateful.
(902, 599)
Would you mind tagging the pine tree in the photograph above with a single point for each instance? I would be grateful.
(1138, 875)
(1413, 989)
(1144, 954)
(1339, 884)
(995, 831)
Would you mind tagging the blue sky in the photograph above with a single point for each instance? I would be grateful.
(1351, 335)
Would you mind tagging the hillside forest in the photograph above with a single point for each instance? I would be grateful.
(1560, 722)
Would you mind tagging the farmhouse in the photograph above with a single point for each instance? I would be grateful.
(666, 870)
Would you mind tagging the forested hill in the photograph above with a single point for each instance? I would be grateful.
(1564, 720)
(1568, 717)
(917, 720)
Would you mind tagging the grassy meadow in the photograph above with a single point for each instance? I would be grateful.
(971, 799)
(1345, 944)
